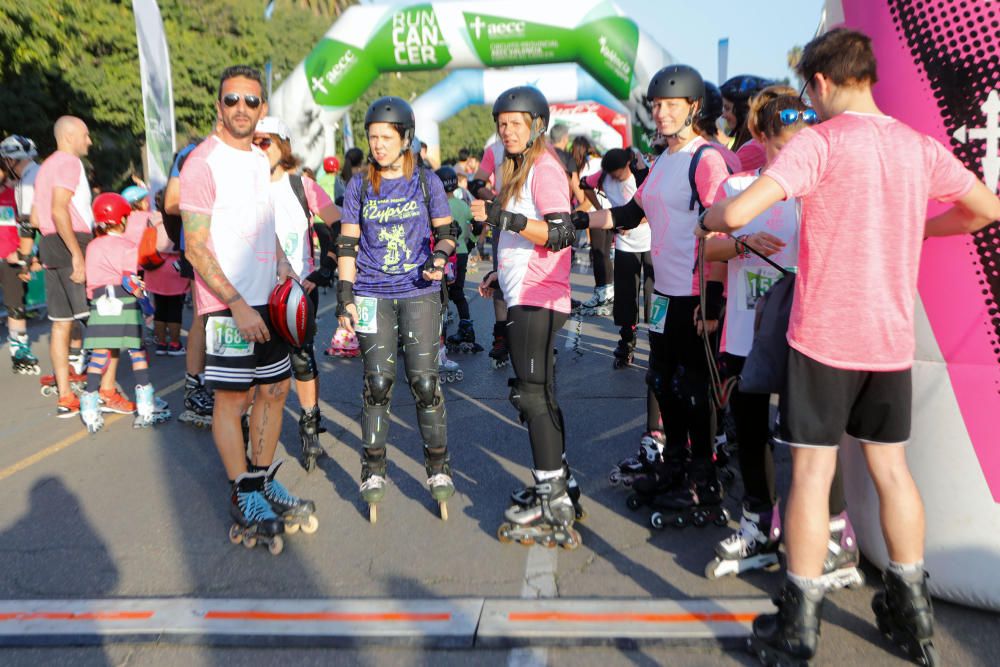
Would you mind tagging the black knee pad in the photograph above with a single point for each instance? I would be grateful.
(378, 389)
(426, 391)
(693, 390)
(533, 400)
(17, 312)
(303, 363)
(657, 383)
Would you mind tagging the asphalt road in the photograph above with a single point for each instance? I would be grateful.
(143, 513)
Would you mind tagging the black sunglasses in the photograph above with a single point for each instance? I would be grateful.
(232, 99)
(263, 143)
(804, 86)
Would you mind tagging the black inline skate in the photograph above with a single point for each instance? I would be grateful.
(525, 496)
(254, 519)
(841, 567)
(294, 511)
(789, 637)
(464, 340)
(199, 402)
(753, 547)
(904, 616)
(500, 354)
(697, 502)
(373, 483)
(548, 520)
(642, 463)
(664, 477)
(624, 354)
(439, 482)
(309, 430)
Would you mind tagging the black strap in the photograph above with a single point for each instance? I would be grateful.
(692, 170)
(299, 189)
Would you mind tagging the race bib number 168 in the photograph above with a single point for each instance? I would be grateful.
(224, 339)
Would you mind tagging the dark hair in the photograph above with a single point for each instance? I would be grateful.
(767, 120)
(463, 154)
(581, 151)
(244, 71)
(352, 159)
(288, 161)
(842, 55)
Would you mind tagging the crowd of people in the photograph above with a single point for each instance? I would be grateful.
(751, 194)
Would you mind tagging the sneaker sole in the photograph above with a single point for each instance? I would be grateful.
(176, 353)
(117, 411)
(67, 415)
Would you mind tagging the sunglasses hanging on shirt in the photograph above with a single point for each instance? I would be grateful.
(232, 99)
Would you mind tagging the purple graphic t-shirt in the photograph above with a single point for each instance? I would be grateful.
(395, 234)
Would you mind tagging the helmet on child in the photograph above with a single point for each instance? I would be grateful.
(110, 208)
(331, 164)
(292, 313)
(449, 179)
(16, 147)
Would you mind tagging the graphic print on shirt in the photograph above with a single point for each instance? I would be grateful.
(389, 214)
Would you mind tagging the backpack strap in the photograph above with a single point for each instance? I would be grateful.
(298, 187)
(692, 170)
(425, 190)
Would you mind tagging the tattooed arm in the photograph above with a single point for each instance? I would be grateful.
(197, 228)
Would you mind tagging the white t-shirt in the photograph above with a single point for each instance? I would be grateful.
(234, 188)
(749, 277)
(24, 191)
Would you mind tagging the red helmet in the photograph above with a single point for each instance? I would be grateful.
(331, 165)
(292, 314)
(109, 209)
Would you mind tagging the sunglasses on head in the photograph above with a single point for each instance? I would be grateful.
(789, 116)
(232, 99)
(263, 143)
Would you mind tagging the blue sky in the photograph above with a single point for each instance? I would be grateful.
(760, 33)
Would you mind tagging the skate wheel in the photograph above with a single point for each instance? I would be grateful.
(929, 656)
(699, 520)
(443, 507)
(679, 522)
(656, 520)
(235, 534)
(276, 545)
(249, 541)
(712, 569)
(308, 463)
(291, 526)
(373, 513)
(633, 502)
(615, 478)
(527, 541)
(459, 376)
(310, 526)
(548, 542)
(722, 518)
(503, 533)
(573, 540)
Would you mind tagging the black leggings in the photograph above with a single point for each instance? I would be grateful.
(419, 320)
(678, 376)
(14, 290)
(169, 308)
(600, 255)
(631, 270)
(456, 290)
(531, 332)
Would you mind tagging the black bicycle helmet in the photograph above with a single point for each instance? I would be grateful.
(393, 110)
(676, 81)
(743, 86)
(449, 179)
(712, 106)
(527, 99)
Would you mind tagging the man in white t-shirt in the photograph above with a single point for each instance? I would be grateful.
(230, 240)
(851, 329)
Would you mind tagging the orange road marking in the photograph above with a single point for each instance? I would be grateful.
(336, 617)
(570, 617)
(83, 616)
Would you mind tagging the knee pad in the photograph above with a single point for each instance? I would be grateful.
(533, 400)
(426, 391)
(303, 363)
(98, 362)
(17, 312)
(692, 389)
(656, 383)
(137, 356)
(378, 389)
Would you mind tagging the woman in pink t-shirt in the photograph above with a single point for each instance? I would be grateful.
(531, 216)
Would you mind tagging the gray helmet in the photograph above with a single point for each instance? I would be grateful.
(676, 81)
(526, 99)
(16, 147)
(396, 111)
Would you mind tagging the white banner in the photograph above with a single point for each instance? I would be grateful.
(157, 91)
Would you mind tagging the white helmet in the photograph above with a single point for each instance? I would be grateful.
(273, 125)
(16, 147)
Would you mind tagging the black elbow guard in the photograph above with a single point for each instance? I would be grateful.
(561, 231)
(25, 230)
(347, 246)
(448, 232)
(477, 227)
(628, 216)
(713, 300)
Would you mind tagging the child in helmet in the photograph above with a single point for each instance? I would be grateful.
(115, 319)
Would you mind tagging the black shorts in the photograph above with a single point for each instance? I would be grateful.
(64, 299)
(822, 403)
(169, 308)
(232, 364)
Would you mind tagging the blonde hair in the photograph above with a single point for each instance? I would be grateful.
(513, 173)
(758, 101)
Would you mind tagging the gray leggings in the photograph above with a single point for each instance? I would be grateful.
(418, 319)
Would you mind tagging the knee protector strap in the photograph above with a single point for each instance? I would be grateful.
(426, 391)
(378, 389)
(304, 363)
(98, 362)
(533, 400)
(17, 312)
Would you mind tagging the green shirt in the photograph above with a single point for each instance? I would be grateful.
(462, 214)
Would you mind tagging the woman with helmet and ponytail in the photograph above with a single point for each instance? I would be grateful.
(390, 289)
(736, 95)
(686, 178)
(531, 215)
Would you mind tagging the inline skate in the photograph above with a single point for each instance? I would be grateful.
(464, 340)
(525, 496)
(254, 520)
(90, 411)
(753, 547)
(49, 388)
(309, 430)
(664, 476)
(148, 411)
(500, 354)
(840, 569)
(905, 617)
(343, 344)
(294, 511)
(624, 354)
(438, 468)
(600, 303)
(373, 483)
(23, 362)
(198, 403)
(697, 502)
(642, 463)
(789, 637)
(448, 370)
(548, 520)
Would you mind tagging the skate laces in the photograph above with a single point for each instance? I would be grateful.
(276, 491)
(373, 481)
(254, 506)
(745, 537)
(439, 479)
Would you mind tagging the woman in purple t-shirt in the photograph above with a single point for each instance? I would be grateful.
(390, 290)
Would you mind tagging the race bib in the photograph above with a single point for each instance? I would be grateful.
(754, 283)
(658, 314)
(367, 322)
(224, 339)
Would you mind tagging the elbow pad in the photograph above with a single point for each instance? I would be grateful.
(713, 300)
(477, 227)
(628, 216)
(446, 233)
(561, 231)
(25, 230)
(347, 246)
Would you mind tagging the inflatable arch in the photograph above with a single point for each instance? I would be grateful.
(371, 39)
(938, 72)
(559, 83)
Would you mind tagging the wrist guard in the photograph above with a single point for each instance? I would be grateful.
(430, 266)
(322, 277)
(508, 221)
(580, 219)
(345, 294)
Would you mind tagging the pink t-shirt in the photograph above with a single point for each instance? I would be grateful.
(136, 225)
(752, 155)
(291, 224)
(665, 196)
(63, 170)
(167, 279)
(529, 274)
(109, 258)
(863, 181)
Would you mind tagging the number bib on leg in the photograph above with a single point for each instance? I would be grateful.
(223, 339)
(658, 314)
(367, 307)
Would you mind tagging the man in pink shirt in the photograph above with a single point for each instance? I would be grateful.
(863, 180)
(62, 209)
